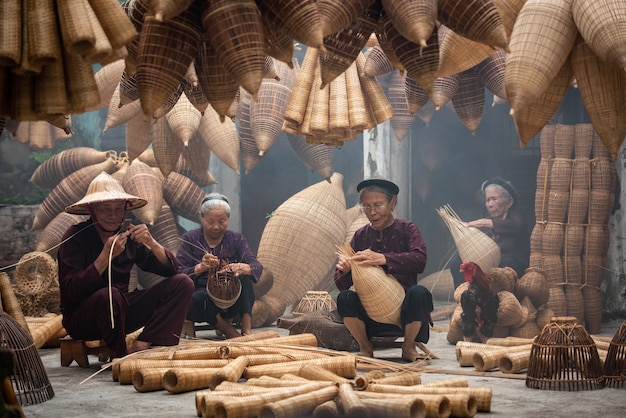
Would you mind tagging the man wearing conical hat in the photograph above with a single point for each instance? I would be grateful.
(95, 261)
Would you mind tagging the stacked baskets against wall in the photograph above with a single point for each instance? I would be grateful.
(574, 199)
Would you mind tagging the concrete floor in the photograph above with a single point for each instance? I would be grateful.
(102, 397)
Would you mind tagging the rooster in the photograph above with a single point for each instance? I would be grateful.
(479, 303)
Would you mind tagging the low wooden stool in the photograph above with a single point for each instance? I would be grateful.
(78, 350)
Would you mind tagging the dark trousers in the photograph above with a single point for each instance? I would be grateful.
(202, 308)
(160, 309)
(416, 306)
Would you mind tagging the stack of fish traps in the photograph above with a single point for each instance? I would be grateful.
(574, 199)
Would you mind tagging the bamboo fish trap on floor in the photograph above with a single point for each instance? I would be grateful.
(380, 293)
(472, 244)
(615, 364)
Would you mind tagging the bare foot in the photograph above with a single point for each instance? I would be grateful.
(366, 351)
(139, 346)
(409, 353)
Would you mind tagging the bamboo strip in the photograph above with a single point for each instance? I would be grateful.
(510, 341)
(375, 96)
(245, 350)
(398, 408)
(42, 333)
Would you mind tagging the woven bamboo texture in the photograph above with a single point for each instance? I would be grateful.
(534, 285)
(195, 160)
(538, 50)
(237, 29)
(469, 100)
(583, 140)
(182, 194)
(10, 18)
(378, 62)
(166, 146)
(416, 96)
(435, 405)
(564, 357)
(141, 180)
(52, 234)
(300, 19)
(478, 20)
(334, 17)
(344, 366)
(183, 119)
(71, 189)
(101, 47)
(49, 173)
(443, 90)
(316, 213)
(472, 244)
(402, 118)
(118, 115)
(221, 138)
(250, 154)
(129, 89)
(303, 403)
(316, 157)
(614, 365)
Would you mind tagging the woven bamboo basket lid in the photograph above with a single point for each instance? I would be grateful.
(221, 138)
(402, 118)
(141, 180)
(300, 19)
(469, 100)
(236, 27)
(443, 90)
(601, 24)
(532, 65)
(381, 108)
(138, 135)
(318, 158)
(267, 112)
(183, 119)
(317, 213)
(10, 32)
(71, 189)
(343, 47)
(478, 20)
(76, 32)
(574, 239)
(421, 62)
(183, 195)
(416, 96)
(564, 357)
(161, 66)
(250, 154)
(166, 147)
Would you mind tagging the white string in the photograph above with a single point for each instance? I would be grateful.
(110, 282)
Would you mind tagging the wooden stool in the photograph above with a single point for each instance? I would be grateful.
(78, 350)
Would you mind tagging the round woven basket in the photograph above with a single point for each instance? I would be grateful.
(314, 301)
(564, 357)
(504, 278)
(564, 141)
(615, 363)
(561, 175)
(510, 311)
(536, 237)
(224, 288)
(534, 285)
(600, 205)
(552, 239)
(581, 174)
(36, 272)
(557, 302)
(546, 142)
(558, 202)
(579, 203)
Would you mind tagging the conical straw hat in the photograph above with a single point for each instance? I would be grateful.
(105, 188)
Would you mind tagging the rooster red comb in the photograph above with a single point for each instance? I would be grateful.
(469, 269)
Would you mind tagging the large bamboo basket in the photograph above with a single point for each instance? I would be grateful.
(402, 118)
(564, 357)
(183, 195)
(50, 173)
(166, 147)
(345, 45)
(237, 29)
(195, 160)
(138, 136)
(316, 157)
(472, 244)
(221, 138)
(531, 119)
(52, 234)
(602, 25)
(267, 112)
(614, 365)
(469, 100)
(315, 216)
(381, 294)
(478, 20)
(538, 50)
(162, 65)
(71, 189)
(416, 96)
(602, 89)
(141, 180)
(217, 84)
(300, 19)
(250, 154)
(491, 73)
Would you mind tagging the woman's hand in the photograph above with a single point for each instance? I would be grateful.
(209, 262)
(343, 265)
(369, 258)
(239, 269)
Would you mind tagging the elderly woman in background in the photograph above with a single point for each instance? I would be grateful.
(212, 248)
(395, 245)
(504, 224)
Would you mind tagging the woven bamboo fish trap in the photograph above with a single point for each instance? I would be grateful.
(381, 294)
(478, 20)
(597, 240)
(602, 174)
(183, 195)
(453, 52)
(49, 173)
(316, 157)
(166, 147)
(421, 62)
(592, 297)
(557, 301)
(314, 300)
(76, 32)
(168, 9)
(52, 234)
(10, 18)
(534, 285)
(236, 27)
(560, 174)
(573, 269)
(165, 230)
(414, 20)
(162, 65)
(195, 95)
(334, 16)
(338, 106)
(71, 189)
(300, 19)
(574, 239)
(532, 119)
(583, 140)
(169, 103)
(579, 204)
(558, 203)
(564, 141)
(29, 378)
(344, 46)
(599, 148)
(600, 206)
(444, 89)
(101, 47)
(541, 205)
(183, 119)
(536, 237)
(491, 73)
(50, 88)
(316, 213)
(129, 89)
(546, 141)
(141, 180)
(82, 90)
(250, 154)
(564, 357)
(107, 79)
(267, 112)
(416, 96)
(378, 62)
(469, 100)
(581, 173)
(402, 118)
(504, 278)
(221, 138)
(593, 269)
(575, 302)
(297, 106)
(615, 363)
(118, 115)
(195, 160)
(138, 136)
(375, 96)
(532, 65)
(472, 244)
(601, 24)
